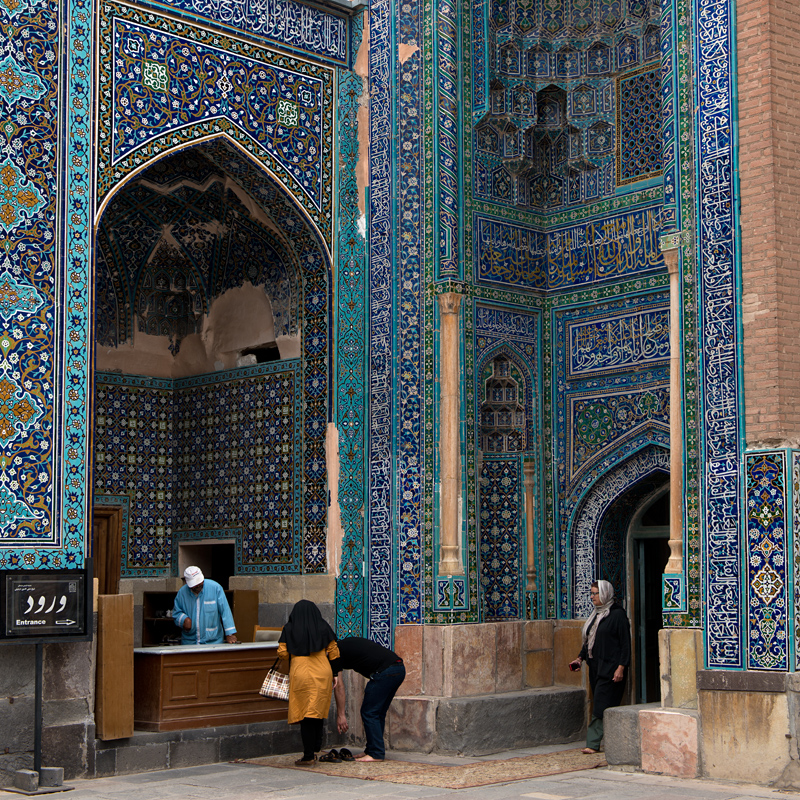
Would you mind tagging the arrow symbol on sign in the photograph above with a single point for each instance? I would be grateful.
(65, 622)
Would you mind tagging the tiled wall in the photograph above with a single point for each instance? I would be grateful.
(217, 453)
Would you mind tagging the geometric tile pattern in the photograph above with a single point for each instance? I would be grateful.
(350, 363)
(639, 125)
(606, 409)
(134, 451)
(501, 528)
(205, 453)
(163, 84)
(238, 460)
(33, 494)
(769, 618)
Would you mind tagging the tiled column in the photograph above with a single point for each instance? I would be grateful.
(675, 563)
(449, 443)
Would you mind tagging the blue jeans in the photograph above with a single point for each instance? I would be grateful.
(378, 695)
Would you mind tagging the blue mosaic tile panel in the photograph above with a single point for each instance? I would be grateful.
(594, 419)
(204, 454)
(380, 505)
(238, 453)
(520, 256)
(648, 467)
(719, 332)
(599, 345)
(29, 374)
(611, 419)
(502, 531)
(302, 28)
(639, 126)
(673, 593)
(415, 246)
(768, 562)
(515, 334)
(164, 83)
(279, 109)
(134, 455)
(350, 362)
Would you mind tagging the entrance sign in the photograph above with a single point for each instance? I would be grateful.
(44, 604)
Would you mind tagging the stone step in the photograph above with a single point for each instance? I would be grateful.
(486, 724)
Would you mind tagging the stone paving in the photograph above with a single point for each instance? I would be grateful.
(244, 781)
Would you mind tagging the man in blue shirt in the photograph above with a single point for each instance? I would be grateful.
(202, 612)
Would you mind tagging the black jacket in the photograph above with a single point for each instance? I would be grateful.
(612, 643)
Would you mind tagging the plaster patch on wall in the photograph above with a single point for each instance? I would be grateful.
(335, 531)
(239, 318)
(405, 51)
(361, 68)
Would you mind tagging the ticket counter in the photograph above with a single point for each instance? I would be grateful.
(200, 686)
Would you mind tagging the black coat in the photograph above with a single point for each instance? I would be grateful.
(612, 648)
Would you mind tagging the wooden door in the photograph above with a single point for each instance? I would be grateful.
(107, 547)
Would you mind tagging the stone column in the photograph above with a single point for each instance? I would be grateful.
(675, 563)
(449, 442)
(528, 469)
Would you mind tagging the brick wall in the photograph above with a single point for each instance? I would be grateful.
(769, 161)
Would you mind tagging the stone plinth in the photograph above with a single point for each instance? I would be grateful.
(621, 734)
(680, 650)
(669, 742)
(486, 724)
(744, 734)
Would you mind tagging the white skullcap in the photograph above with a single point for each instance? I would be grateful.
(193, 576)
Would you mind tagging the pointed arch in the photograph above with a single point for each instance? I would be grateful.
(584, 525)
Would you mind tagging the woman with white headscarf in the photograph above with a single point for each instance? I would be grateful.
(607, 651)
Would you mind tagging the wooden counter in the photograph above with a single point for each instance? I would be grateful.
(200, 686)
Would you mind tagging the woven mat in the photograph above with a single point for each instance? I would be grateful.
(478, 773)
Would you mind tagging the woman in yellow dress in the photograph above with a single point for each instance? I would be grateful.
(311, 644)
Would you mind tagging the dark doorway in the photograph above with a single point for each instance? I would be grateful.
(107, 548)
(650, 553)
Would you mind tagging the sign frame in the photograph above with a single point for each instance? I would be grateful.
(81, 633)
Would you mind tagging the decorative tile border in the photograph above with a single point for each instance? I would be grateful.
(380, 508)
(719, 332)
(302, 28)
(768, 561)
(351, 360)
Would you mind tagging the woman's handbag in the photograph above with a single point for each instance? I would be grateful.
(276, 684)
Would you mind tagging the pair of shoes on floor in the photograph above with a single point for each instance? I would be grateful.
(333, 757)
(346, 755)
(305, 762)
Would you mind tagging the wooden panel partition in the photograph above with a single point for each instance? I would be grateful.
(114, 683)
(201, 686)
